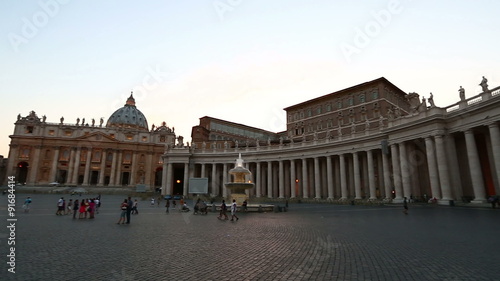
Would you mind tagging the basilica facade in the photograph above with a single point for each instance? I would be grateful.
(122, 152)
(371, 141)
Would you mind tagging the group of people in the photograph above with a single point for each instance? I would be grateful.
(86, 208)
(126, 209)
(223, 211)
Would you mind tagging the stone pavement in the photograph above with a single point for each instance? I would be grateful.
(309, 242)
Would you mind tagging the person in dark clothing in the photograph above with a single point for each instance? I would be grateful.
(129, 209)
(405, 206)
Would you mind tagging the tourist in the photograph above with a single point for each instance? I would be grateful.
(60, 206)
(91, 208)
(76, 206)
(245, 206)
(223, 210)
(26, 205)
(69, 208)
(167, 205)
(158, 201)
(124, 210)
(97, 202)
(129, 209)
(83, 209)
(233, 211)
(134, 208)
(174, 204)
(152, 201)
(405, 206)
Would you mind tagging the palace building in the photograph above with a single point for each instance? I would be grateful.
(371, 141)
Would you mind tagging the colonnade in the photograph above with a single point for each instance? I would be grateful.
(421, 168)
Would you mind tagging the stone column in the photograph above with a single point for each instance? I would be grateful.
(55, 161)
(281, 180)
(203, 170)
(475, 168)
(371, 175)
(329, 177)
(102, 169)
(495, 147)
(396, 173)
(71, 161)
(149, 172)
(225, 178)
(443, 169)
(258, 179)
(168, 181)
(215, 187)
(33, 171)
(317, 179)
(387, 176)
(113, 168)
(119, 169)
(185, 186)
(164, 173)
(76, 168)
(87, 167)
(293, 177)
(433, 172)
(405, 170)
(270, 179)
(305, 184)
(343, 178)
(11, 162)
(133, 170)
(357, 175)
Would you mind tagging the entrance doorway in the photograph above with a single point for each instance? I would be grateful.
(125, 178)
(22, 172)
(93, 177)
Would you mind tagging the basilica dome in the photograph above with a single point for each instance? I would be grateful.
(128, 117)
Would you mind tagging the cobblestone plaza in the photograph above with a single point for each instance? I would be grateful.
(309, 242)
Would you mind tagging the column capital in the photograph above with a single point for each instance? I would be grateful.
(493, 125)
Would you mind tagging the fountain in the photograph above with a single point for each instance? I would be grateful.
(239, 184)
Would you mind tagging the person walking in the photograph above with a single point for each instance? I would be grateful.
(167, 204)
(233, 210)
(76, 206)
(124, 210)
(69, 209)
(134, 208)
(129, 209)
(223, 210)
(60, 207)
(405, 206)
(26, 205)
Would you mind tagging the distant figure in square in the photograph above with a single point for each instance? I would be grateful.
(233, 211)
(76, 207)
(123, 208)
(69, 208)
(223, 210)
(26, 205)
(405, 206)
(134, 207)
(167, 204)
(60, 207)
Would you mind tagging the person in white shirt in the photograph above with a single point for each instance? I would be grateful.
(233, 211)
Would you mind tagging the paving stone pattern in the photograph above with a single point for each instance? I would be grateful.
(309, 242)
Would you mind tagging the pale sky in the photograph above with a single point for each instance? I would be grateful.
(238, 60)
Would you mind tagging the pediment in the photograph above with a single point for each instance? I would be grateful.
(97, 136)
